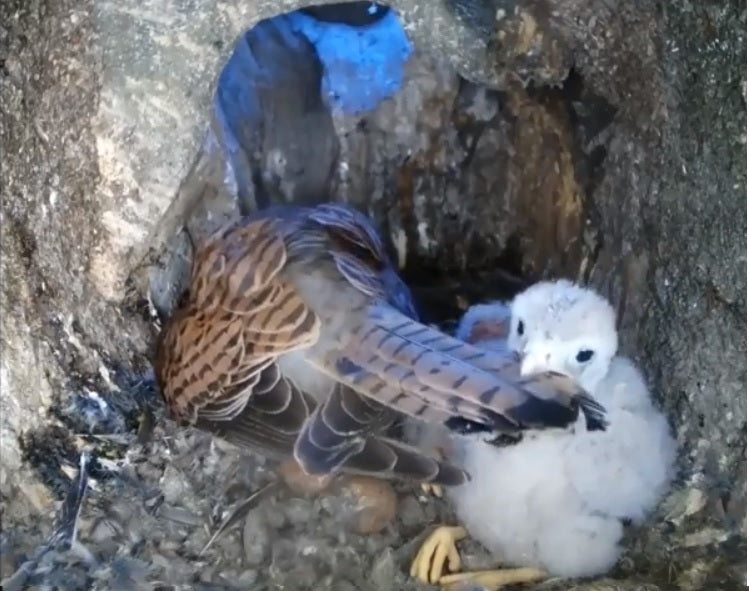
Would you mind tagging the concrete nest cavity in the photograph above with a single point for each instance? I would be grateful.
(493, 144)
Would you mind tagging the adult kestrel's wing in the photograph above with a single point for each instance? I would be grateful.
(435, 377)
(270, 421)
(238, 318)
(216, 364)
(345, 432)
(387, 355)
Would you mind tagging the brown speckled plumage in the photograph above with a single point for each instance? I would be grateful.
(297, 336)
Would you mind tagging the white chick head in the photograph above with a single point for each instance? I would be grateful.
(560, 326)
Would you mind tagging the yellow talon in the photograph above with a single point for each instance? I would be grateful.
(440, 548)
(432, 489)
(437, 549)
(494, 579)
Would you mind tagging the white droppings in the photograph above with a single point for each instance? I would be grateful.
(424, 240)
(101, 403)
(400, 242)
(105, 375)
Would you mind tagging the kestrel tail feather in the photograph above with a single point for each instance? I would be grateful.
(388, 458)
(430, 375)
(271, 418)
(372, 455)
(345, 432)
(547, 386)
(348, 432)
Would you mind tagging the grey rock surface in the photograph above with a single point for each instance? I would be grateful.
(628, 173)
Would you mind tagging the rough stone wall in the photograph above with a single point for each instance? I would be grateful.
(99, 128)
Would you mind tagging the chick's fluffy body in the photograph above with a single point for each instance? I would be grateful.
(556, 500)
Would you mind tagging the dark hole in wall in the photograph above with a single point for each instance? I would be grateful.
(87, 412)
(350, 13)
(503, 273)
(100, 422)
(46, 451)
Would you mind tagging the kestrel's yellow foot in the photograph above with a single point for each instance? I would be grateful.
(440, 547)
(493, 579)
(429, 562)
(433, 489)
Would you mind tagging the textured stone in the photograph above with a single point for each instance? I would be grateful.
(629, 173)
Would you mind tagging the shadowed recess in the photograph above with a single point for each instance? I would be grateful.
(276, 93)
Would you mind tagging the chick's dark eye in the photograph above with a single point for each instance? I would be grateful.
(584, 355)
(521, 328)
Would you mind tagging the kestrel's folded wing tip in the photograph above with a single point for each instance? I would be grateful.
(450, 475)
(535, 412)
(566, 388)
(594, 412)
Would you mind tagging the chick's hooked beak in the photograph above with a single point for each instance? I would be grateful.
(536, 359)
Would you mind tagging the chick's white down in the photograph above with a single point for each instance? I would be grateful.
(556, 499)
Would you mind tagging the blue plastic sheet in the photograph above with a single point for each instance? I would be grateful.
(361, 65)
